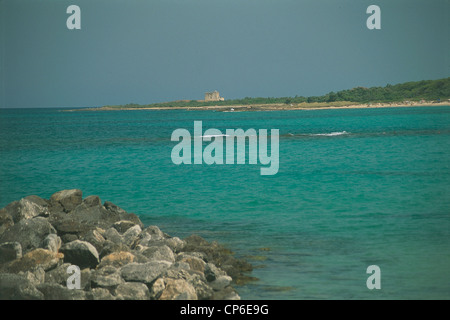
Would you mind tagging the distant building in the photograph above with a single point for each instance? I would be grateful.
(213, 96)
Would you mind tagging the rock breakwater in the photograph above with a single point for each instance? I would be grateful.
(43, 242)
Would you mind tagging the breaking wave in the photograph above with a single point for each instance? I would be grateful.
(331, 134)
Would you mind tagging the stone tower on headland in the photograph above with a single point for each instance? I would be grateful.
(213, 96)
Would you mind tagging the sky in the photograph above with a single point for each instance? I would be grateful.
(136, 51)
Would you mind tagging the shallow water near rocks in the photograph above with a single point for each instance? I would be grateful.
(376, 195)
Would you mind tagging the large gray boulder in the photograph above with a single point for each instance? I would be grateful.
(155, 234)
(195, 263)
(69, 227)
(114, 236)
(144, 272)
(94, 216)
(131, 235)
(54, 291)
(107, 277)
(95, 238)
(162, 253)
(29, 233)
(81, 220)
(92, 201)
(80, 253)
(68, 199)
(132, 291)
(178, 289)
(16, 287)
(38, 200)
(25, 209)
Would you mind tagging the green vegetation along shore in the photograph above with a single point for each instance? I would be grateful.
(424, 92)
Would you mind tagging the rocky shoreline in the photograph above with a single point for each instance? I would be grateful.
(70, 248)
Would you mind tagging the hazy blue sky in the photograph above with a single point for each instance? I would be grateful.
(160, 50)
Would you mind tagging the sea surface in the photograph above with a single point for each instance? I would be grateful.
(355, 187)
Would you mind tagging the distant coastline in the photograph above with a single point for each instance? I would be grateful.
(279, 107)
(419, 93)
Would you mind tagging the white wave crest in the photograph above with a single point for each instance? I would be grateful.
(331, 134)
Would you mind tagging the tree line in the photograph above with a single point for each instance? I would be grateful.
(428, 90)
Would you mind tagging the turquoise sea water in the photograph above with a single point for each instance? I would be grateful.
(355, 187)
